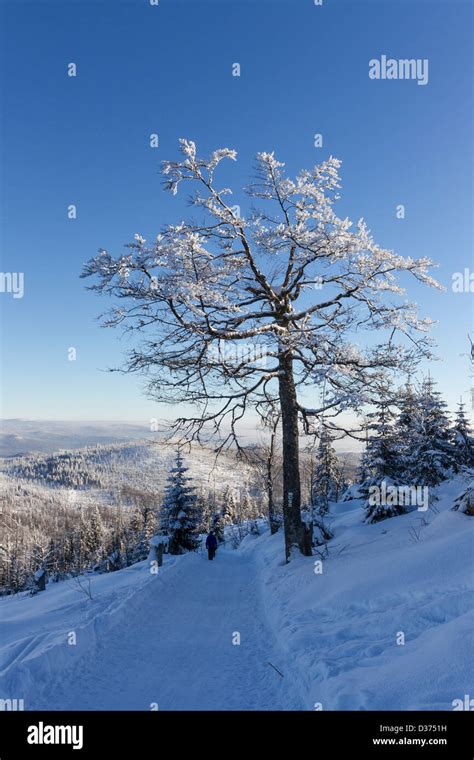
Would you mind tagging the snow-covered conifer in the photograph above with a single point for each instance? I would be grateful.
(217, 526)
(462, 439)
(327, 476)
(432, 450)
(94, 535)
(405, 431)
(381, 459)
(229, 509)
(179, 517)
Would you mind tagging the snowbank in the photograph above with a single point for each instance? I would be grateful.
(45, 636)
(386, 621)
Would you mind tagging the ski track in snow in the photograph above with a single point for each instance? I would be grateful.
(176, 649)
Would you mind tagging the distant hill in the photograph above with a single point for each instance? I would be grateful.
(104, 470)
(19, 437)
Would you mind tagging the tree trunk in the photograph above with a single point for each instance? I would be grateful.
(308, 539)
(40, 581)
(159, 554)
(271, 504)
(294, 532)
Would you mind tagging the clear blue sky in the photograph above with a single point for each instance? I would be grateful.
(167, 69)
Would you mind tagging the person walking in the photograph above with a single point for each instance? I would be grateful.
(211, 544)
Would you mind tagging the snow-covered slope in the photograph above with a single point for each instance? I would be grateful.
(381, 585)
(101, 472)
(307, 638)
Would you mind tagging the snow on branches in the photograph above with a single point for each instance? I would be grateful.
(289, 277)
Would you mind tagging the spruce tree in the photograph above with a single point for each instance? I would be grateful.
(4, 570)
(250, 509)
(229, 509)
(119, 552)
(179, 514)
(432, 449)
(138, 537)
(94, 535)
(462, 439)
(79, 538)
(117, 555)
(405, 431)
(327, 476)
(217, 526)
(205, 509)
(54, 559)
(68, 552)
(381, 459)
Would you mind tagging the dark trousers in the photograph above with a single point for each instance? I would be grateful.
(211, 552)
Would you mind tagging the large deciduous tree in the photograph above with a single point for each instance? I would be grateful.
(242, 311)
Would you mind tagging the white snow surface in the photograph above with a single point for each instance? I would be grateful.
(167, 639)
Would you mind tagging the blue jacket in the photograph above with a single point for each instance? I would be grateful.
(211, 541)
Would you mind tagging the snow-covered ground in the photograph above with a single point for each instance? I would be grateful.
(343, 626)
(169, 640)
(143, 639)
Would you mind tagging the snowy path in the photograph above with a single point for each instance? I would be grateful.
(175, 647)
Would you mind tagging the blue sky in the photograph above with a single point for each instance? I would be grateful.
(166, 69)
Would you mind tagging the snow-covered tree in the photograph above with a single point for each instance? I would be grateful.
(120, 547)
(405, 431)
(462, 439)
(229, 509)
(4, 570)
(327, 474)
(53, 565)
(361, 488)
(217, 526)
(179, 517)
(117, 557)
(139, 537)
(230, 317)
(465, 501)
(206, 509)
(68, 551)
(431, 446)
(249, 509)
(40, 557)
(17, 571)
(94, 536)
(381, 443)
(79, 540)
(381, 458)
(266, 469)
